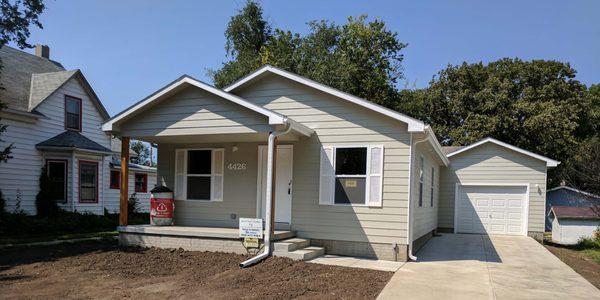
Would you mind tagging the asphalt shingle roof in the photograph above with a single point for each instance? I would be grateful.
(17, 68)
(44, 84)
(71, 140)
(449, 149)
(576, 212)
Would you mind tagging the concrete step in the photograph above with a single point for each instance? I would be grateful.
(290, 244)
(307, 253)
(283, 234)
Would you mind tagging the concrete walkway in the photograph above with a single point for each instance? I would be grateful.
(357, 262)
(457, 266)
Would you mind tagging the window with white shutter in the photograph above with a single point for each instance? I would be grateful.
(351, 175)
(199, 174)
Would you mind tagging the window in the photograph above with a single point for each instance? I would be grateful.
(57, 177)
(432, 182)
(115, 179)
(141, 183)
(421, 167)
(88, 181)
(350, 175)
(72, 113)
(199, 174)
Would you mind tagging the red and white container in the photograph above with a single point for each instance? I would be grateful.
(162, 206)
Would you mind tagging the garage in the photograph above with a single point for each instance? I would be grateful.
(491, 209)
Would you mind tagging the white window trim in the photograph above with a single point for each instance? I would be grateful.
(185, 174)
(366, 176)
(421, 179)
(432, 189)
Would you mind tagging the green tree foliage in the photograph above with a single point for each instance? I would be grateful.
(361, 57)
(142, 152)
(536, 105)
(15, 18)
(44, 204)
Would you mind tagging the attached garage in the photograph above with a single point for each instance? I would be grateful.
(491, 209)
(491, 187)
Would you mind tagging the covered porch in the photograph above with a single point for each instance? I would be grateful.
(221, 155)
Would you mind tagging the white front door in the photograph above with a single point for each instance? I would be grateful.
(283, 179)
(491, 209)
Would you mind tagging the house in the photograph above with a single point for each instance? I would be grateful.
(567, 196)
(340, 173)
(571, 223)
(54, 119)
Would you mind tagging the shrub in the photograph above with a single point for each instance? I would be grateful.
(588, 243)
(2, 204)
(45, 205)
(132, 204)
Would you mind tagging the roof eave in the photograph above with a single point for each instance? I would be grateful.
(73, 149)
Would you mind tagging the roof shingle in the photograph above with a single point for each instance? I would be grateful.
(71, 140)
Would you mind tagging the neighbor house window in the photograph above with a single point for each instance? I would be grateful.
(115, 179)
(199, 174)
(421, 162)
(350, 175)
(88, 181)
(141, 183)
(57, 177)
(72, 113)
(432, 182)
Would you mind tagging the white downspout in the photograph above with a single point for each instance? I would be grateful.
(268, 198)
(73, 181)
(410, 200)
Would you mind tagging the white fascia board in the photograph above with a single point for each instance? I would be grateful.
(549, 162)
(573, 190)
(414, 125)
(274, 118)
(298, 127)
(436, 145)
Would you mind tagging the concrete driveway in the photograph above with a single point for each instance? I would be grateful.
(462, 266)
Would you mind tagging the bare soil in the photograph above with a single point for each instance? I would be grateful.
(104, 270)
(579, 262)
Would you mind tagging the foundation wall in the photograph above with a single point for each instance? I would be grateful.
(184, 242)
(363, 249)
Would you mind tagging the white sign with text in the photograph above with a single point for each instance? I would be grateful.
(250, 227)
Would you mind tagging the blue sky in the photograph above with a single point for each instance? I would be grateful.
(128, 49)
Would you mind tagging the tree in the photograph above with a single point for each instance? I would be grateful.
(44, 204)
(15, 18)
(361, 57)
(142, 152)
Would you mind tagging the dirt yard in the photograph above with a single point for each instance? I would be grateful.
(582, 264)
(103, 270)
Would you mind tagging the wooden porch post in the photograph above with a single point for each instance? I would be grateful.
(124, 197)
(274, 186)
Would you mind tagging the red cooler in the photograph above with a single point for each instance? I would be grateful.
(162, 206)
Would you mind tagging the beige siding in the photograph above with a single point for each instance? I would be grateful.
(239, 192)
(425, 216)
(338, 122)
(19, 176)
(490, 163)
(194, 111)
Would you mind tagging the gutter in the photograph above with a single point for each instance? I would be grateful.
(410, 200)
(269, 197)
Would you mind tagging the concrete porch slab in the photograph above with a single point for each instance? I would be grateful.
(193, 231)
(356, 262)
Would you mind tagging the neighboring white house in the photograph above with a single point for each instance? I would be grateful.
(571, 223)
(351, 176)
(54, 120)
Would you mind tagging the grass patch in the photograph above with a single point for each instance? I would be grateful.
(594, 254)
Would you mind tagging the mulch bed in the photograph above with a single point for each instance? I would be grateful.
(583, 265)
(102, 269)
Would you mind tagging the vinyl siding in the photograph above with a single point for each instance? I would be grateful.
(112, 198)
(192, 110)
(338, 122)
(425, 216)
(490, 163)
(239, 192)
(21, 173)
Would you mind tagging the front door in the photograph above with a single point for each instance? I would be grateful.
(283, 179)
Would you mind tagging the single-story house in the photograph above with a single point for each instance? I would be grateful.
(567, 196)
(340, 173)
(571, 223)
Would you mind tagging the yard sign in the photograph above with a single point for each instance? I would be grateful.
(252, 228)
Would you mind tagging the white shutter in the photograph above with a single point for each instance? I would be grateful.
(180, 158)
(327, 176)
(218, 161)
(375, 179)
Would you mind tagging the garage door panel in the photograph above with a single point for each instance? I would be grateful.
(491, 209)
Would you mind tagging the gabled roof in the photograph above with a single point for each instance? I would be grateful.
(575, 212)
(274, 118)
(414, 125)
(44, 84)
(72, 141)
(549, 162)
(573, 190)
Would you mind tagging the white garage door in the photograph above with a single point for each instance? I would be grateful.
(491, 209)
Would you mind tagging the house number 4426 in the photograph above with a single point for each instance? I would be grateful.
(236, 166)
